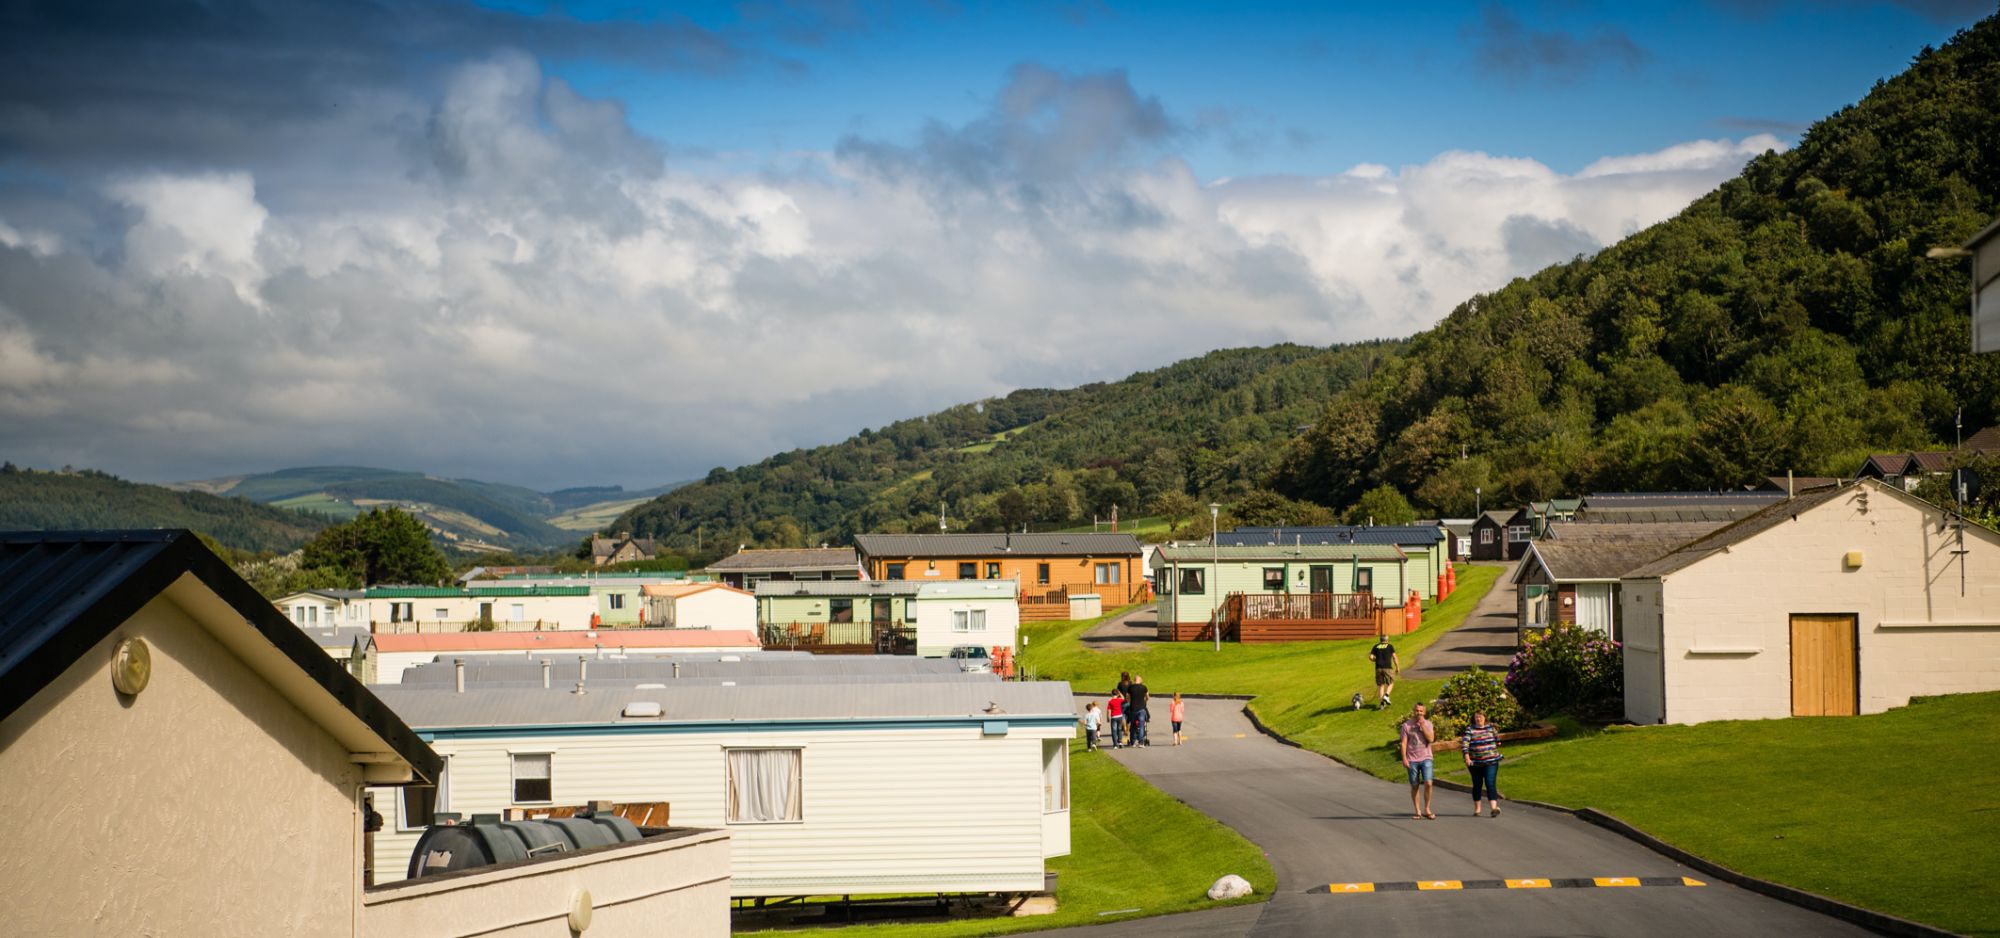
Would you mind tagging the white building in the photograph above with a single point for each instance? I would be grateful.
(457, 609)
(951, 613)
(699, 606)
(1846, 599)
(835, 784)
(324, 608)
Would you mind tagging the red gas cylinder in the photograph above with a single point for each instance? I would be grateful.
(1413, 613)
(1451, 577)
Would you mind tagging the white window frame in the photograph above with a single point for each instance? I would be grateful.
(1107, 574)
(1055, 757)
(443, 613)
(961, 620)
(440, 803)
(978, 620)
(615, 600)
(1485, 535)
(1517, 533)
(514, 777)
(519, 611)
(799, 780)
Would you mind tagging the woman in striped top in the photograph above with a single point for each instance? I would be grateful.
(1480, 744)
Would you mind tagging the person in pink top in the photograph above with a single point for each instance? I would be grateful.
(1177, 712)
(1115, 708)
(1415, 746)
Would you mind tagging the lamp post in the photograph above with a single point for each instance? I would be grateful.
(1476, 505)
(1215, 567)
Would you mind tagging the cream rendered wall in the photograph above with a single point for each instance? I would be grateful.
(1639, 609)
(886, 810)
(567, 612)
(715, 609)
(205, 805)
(1727, 617)
(677, 886)
(935, 637)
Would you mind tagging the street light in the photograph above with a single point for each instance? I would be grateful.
(1215, 567)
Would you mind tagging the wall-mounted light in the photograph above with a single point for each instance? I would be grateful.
(1852, 560)
(131, 666)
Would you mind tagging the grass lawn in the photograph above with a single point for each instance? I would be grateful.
(1131, 847)
(1302, 688)
(1882, 811)
(1147, 528)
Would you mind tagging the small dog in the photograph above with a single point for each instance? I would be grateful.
(1357, 700)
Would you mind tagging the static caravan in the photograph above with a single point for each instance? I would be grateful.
(1426, 545)
(986, 613)
(878, 614)
(699, 606)
(389, 655)
(854, 787)
(324, 608)
(1842, 600)
(459, 609)
(1198, 584)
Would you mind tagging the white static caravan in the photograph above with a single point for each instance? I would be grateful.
(324, 608)
(853, 788)
(951, 613)
(699, 606)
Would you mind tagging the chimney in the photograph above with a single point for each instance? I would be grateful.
(582, 670)
(458, 673)
(600, 650)
(579, 688)
(545, 674)
(677, 669)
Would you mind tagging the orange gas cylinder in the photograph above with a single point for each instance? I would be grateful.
(1413, 613)
(1451, 576)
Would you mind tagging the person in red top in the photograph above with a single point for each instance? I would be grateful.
(1177, 711)
(1115, 707)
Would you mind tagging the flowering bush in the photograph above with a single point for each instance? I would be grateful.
(1569, 670)
(1475, 691)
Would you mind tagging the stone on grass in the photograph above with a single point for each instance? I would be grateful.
(1229, 887)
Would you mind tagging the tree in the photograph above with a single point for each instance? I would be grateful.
(1176, 507)
(1382, 505)
(386, 545)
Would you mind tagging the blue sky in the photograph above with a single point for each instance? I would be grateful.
(603, 243)
(1301, 88)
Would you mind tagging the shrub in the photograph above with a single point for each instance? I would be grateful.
(1475, 691)
(1569, 670)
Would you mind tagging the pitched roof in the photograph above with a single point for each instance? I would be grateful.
(779, 665)
(1411, 534)
(1985, 441)
(1273, 553)
(328, 593)
(606, 546)
(565, 640)
(812, 558)
(997, 545)
(1602, 556)
(1719, 514)
(1796, 483)
(1499, 517)
(686, 589)
(1685, 531)
(472, 592)
(61, 593)
(1769, 517)
(1730, 499)
(782, 588)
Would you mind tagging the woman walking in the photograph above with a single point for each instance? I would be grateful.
(1177, 712)
(1480, 745)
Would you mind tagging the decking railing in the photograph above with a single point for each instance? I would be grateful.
(890, 638)
(1298, 617)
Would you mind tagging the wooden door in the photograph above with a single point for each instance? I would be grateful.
(1824, 675)
(1321, 579)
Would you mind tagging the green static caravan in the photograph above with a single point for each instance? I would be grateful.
(619, 596)
(1426, 544)
(1192, 580)
(843, 612)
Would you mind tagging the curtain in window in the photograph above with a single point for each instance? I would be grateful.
(764, 785)
(1055, 775)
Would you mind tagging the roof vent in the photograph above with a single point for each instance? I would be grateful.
(732, 657)
(729, 683)
(650, 687)
(643, 708)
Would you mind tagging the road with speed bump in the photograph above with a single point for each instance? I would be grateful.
(1327, 827)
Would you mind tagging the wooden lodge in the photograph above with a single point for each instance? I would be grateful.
(1052, 571)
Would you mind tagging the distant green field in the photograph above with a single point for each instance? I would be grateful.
(595, 517)
(321, 503)
(1148, 528)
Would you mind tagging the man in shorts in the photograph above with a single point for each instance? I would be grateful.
(1386, 666)
(1416, 735)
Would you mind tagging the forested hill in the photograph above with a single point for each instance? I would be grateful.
(1788, 320)
(40, 501)
(1212, 425)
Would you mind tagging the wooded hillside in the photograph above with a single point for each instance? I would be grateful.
(40, 501)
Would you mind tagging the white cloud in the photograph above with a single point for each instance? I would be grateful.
(539, 296)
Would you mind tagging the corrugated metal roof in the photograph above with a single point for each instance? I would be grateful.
(811, 558)
(442, 708)
(472, 592)
(569, 639)
(1250, 553)
(340, 636)
(1771, 516)
(1680, 499)
(997, 545)
(970, 589)
(805, 668)
(1399, 534)
(782, 588)
(61, 593)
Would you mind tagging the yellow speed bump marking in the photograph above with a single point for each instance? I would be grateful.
(1617, 880)
(1351, 887)
(1430, 884)
(1527, 884)
(1691, 882)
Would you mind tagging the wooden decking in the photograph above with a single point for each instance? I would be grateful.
(840, 638)
(1254, 618)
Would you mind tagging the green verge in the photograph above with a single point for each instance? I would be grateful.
(1303, 689)
(1882, 811)
(1131, 847)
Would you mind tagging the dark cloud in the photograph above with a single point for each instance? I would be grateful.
(1505, 47)
(1533, 243)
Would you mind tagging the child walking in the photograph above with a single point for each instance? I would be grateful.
(1090, 727)
(1177, 712)
(1116, 708)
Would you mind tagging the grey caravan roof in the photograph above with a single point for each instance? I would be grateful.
(437, 709)
(443, 669)
(780, 588)
(339, 636)
(997, 545)
(1398, 534)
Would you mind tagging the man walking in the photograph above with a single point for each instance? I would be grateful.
(1415, 745)
(1138, 716)
(1386, 667)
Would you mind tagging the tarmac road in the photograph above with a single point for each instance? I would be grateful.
(1322, 823)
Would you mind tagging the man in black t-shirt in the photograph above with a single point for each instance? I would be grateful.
(1386, 667)
(1136, 710)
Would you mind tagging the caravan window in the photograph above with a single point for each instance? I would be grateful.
(534, 779)
(1055, 775)
(840, 610)
(421, 805)
(1274, 579)
(1191, 584)
(762, 786)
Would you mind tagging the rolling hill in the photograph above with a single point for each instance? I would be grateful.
(45, 501)
(1788, 320)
